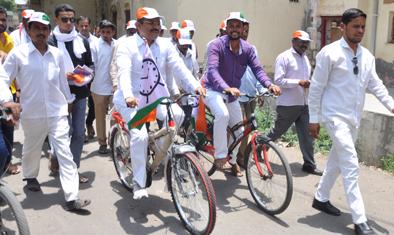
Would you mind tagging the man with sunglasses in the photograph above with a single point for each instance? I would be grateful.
(76, 51)
(344, 70)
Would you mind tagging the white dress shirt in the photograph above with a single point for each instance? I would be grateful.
(129, 60)
(5, 92)
(41, 79)
(102, 54)
(336, 92)
(189, 60)
(20, 36)
(290, 68)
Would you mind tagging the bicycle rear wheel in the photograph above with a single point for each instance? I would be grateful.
(120, 151)
(12, 217)
(269, 178)
(192, 193)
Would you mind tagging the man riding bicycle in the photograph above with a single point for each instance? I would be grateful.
(130, 58)
(228, 58)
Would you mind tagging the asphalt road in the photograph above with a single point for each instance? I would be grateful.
(113, 211)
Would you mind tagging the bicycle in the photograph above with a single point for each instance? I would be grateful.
(10, 208)
(191, 189)
(268, 173)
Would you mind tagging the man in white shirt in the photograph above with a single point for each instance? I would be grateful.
(129, 60)
(344, 70)
(20, 35)
(292, 72)
(84, 27)
(101, 87)
(45, 100)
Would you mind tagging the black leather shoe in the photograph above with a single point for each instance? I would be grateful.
(363, 229)
(313, 171)
(326, 207)
(32, 184)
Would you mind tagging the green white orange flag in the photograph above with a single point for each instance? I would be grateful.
(152, 91)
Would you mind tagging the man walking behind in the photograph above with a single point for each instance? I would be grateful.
(45, 98)
(344, 70)
(76, 51)
(292, 72)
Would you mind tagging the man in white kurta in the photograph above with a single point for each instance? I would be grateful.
(129, 60)
(45, 96)
(101, 87)
(344, 70)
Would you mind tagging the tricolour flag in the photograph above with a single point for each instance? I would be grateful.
(152, 91)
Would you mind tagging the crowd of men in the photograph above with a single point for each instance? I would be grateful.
(50, 76)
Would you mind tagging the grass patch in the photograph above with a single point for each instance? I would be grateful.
(265, 121)
(388, 163)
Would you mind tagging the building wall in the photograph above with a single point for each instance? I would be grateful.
(272, 21)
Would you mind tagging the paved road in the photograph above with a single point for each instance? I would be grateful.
(113, 211)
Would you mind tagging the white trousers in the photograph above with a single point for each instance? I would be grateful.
(226, 114)
(343, 160)
(57, 129)
(139, 138)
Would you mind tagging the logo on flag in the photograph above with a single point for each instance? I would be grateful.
(152, 91)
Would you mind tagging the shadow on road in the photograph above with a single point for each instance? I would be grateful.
(137, 216)
(225, 189)
(335, 224)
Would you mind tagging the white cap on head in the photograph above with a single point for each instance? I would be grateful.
(147, 13)
(236, 15)
(40, 17)
(302, 35)
(131, 24)
(183, 36)
(174, 25)
(188, 24)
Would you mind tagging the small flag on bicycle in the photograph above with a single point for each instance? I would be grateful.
(152, 91)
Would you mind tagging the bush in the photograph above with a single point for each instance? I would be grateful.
(266, 119)
(388, 163)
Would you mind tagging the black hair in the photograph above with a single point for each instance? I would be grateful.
(3, 11)
(105, 24)
(63, 7)
(81, 18)
(352, 13)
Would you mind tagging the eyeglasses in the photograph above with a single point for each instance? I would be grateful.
(355, 68)
(66, 19)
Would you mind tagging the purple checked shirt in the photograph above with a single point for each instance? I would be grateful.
(226, 69)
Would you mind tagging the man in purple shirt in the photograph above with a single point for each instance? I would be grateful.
(228, 57)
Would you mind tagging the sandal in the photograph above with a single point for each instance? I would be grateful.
(83, 179)
(77, 205)
(236, 171)
(222, 164)
(13, 169)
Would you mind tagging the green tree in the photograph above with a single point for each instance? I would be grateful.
(8, 4)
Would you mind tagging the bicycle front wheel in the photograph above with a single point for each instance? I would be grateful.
(120, 151)
(12, 217)
(268, 176)
(192, 193)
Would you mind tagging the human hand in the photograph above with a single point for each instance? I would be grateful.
(201, 91)
(274, 89)
(232, 91)
(3, 55)
(15, 111)
(304, 83)
(131, 102)
(314, 129)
